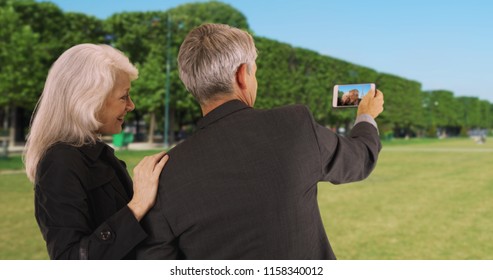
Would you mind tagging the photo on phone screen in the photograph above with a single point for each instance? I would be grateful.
(348, 96)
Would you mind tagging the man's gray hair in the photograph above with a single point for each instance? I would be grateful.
(209, 58)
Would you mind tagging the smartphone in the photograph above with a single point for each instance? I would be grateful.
(349, 96)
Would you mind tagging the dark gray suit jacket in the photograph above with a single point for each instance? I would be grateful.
(244, 186)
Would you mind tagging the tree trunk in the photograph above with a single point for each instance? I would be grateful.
(152, 127)
(171, 126)
(138, 136)
(13, 125)
(5, 147)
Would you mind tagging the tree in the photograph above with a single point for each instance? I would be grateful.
(469, 113)
(20, 68)
(485, 113)
(148, 91)
(31, 41)
(143, 36)
(445, 112)
(403, 104)
(81, 28)
(445, 108)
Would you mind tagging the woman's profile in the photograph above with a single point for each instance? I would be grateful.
(86, 205)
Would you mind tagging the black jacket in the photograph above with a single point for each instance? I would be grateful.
(81, 197)
(244, 186)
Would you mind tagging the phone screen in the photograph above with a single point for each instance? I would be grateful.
(349, 96)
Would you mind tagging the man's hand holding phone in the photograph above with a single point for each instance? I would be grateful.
(371, 104)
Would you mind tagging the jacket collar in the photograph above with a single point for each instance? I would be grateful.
(221, 112)
(94, 151)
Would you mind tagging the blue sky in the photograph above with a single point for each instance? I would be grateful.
(362, 88)
(443, 44)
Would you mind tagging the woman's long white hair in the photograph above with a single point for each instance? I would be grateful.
(75, 90)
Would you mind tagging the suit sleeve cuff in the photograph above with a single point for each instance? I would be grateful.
(366, 118)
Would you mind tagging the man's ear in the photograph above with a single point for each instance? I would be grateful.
(241, 76)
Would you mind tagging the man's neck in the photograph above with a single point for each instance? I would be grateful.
(211, 105)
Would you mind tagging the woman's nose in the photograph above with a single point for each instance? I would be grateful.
(130, 105)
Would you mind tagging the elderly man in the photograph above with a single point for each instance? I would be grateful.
(244, 185)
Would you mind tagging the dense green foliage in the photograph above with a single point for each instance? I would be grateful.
(34, 34)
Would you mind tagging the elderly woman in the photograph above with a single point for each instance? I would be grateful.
(86, 204)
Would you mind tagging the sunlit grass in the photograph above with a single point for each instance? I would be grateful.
(20, 237)
(13, 162)
(416, 205)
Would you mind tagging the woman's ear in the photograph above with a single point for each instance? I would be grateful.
(241, 76)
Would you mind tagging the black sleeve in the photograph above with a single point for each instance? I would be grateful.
(347, 159)
(63, 215)
(161, 243)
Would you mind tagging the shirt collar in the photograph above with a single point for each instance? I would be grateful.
(221, 112)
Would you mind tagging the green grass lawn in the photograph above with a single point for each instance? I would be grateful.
(13, 162)
(427, 199)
